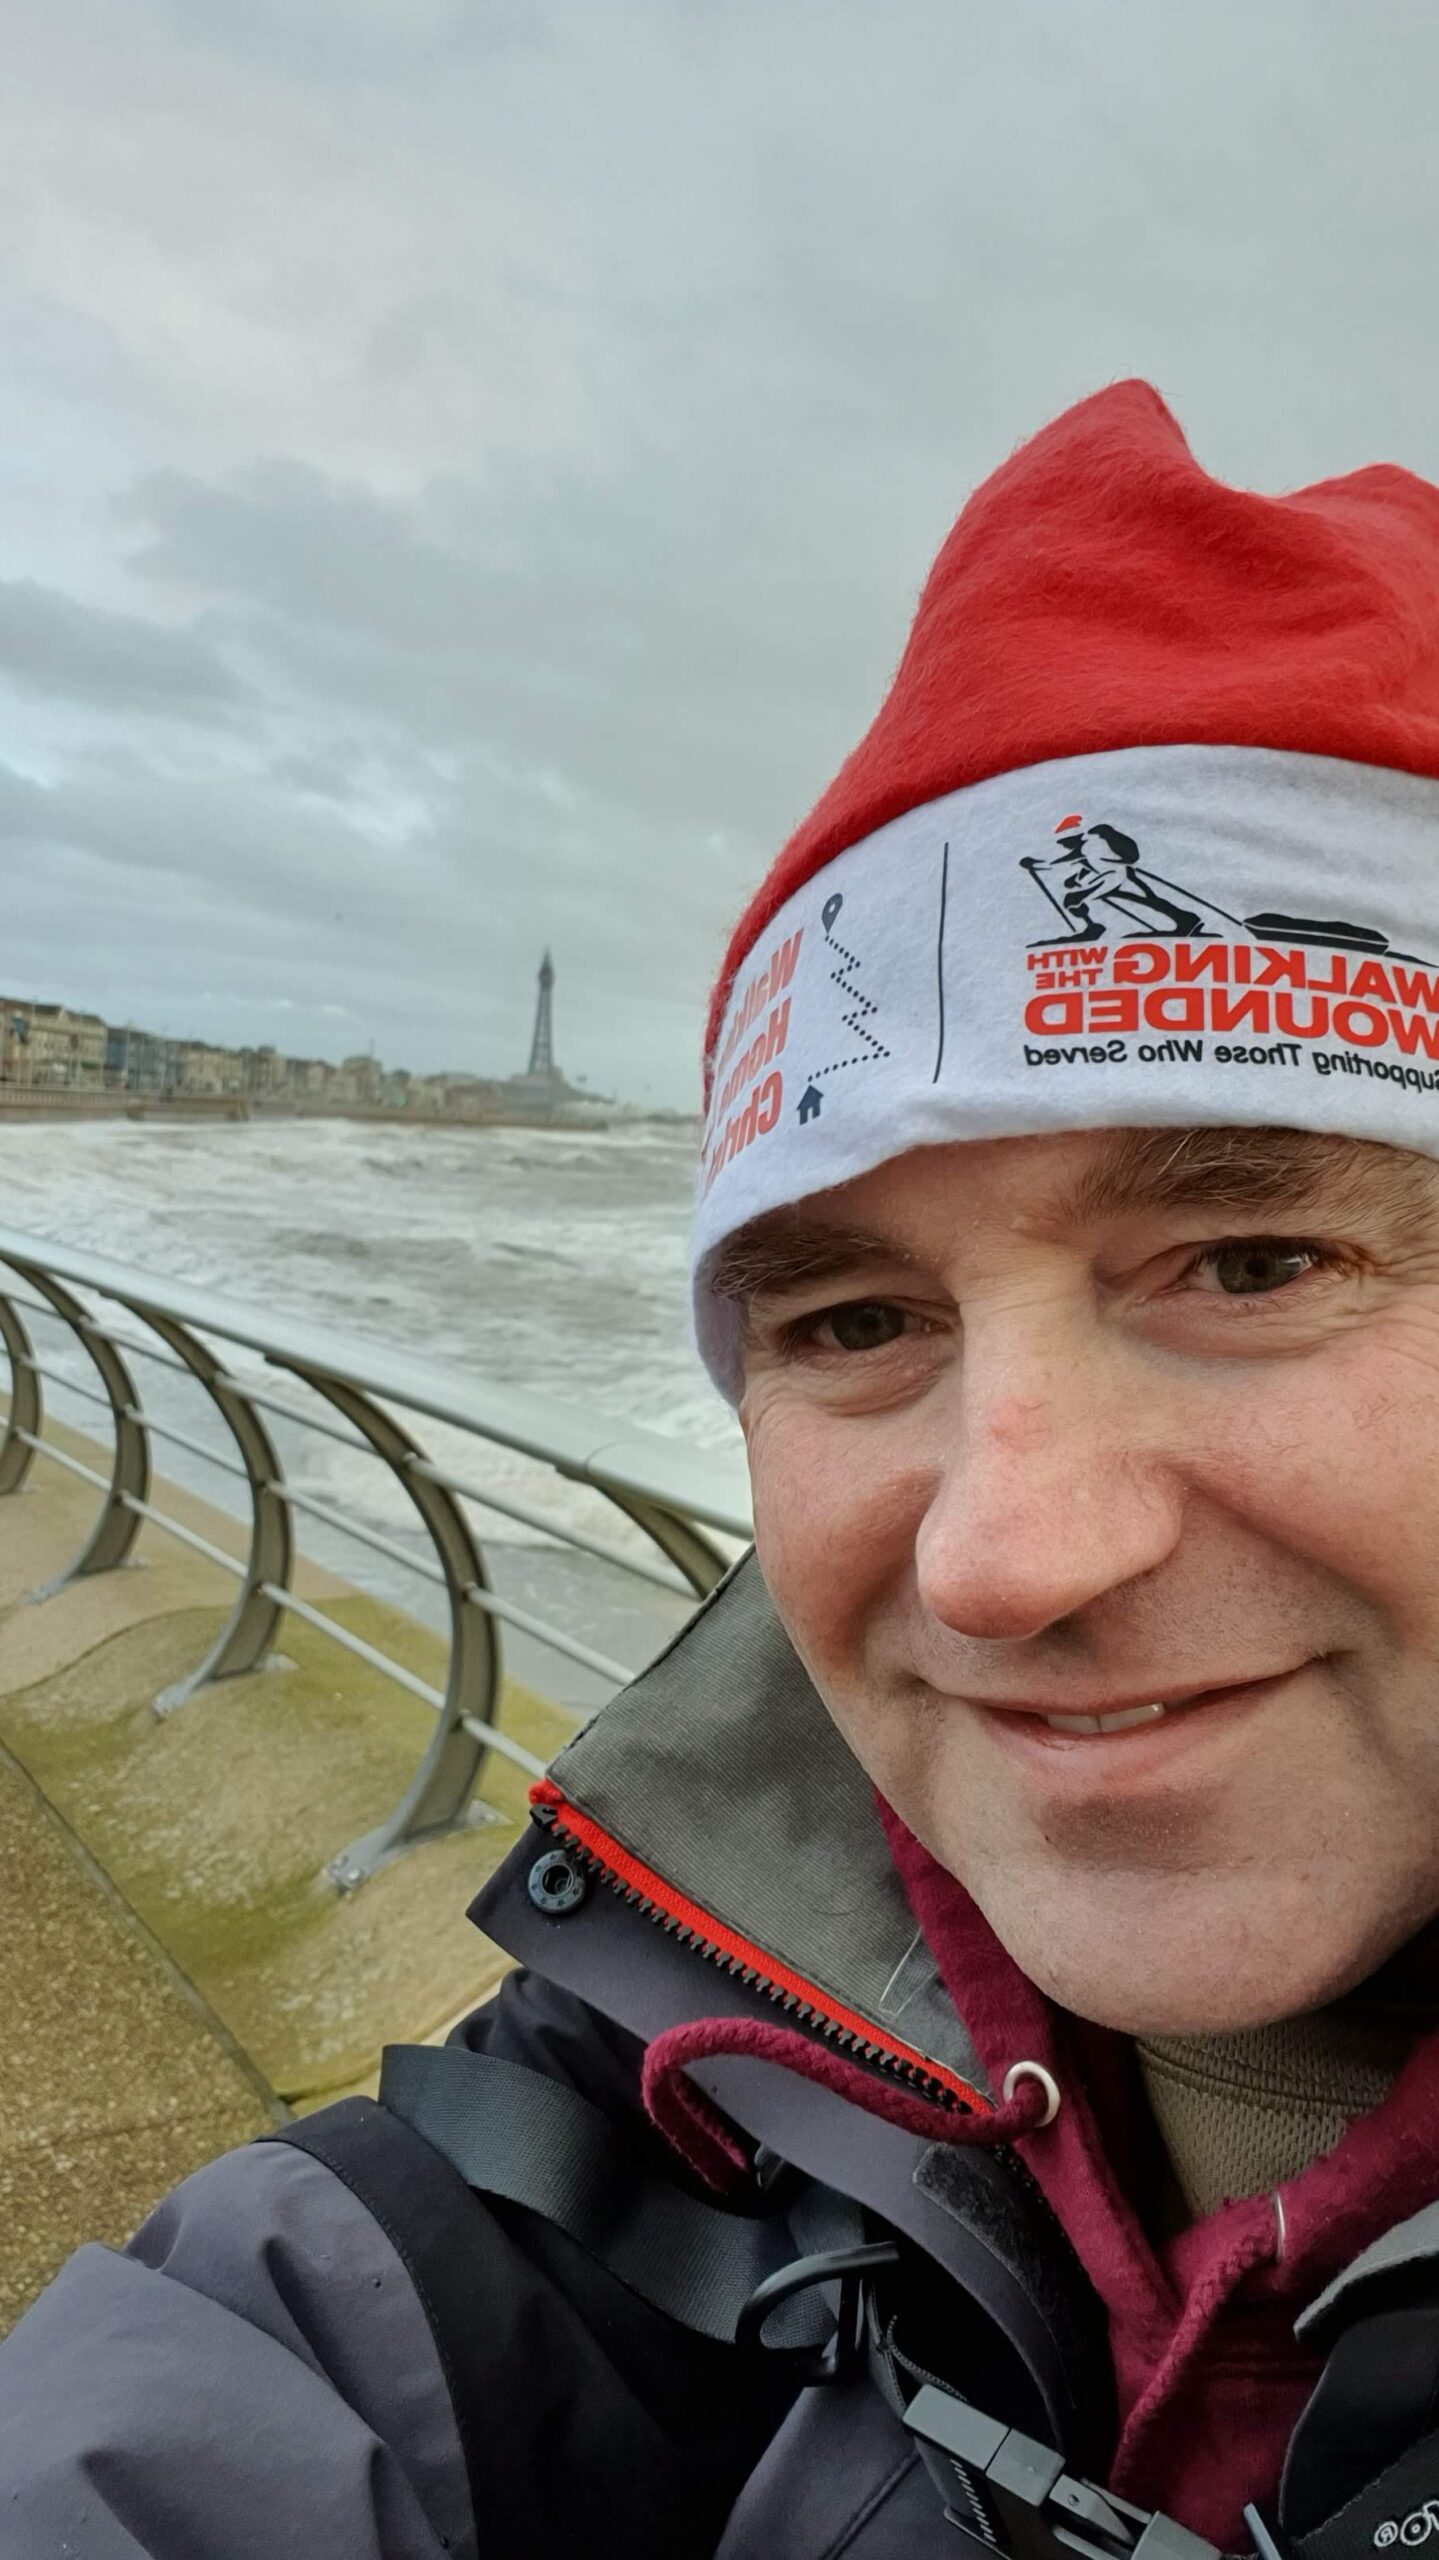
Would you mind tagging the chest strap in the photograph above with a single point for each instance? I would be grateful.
(518, 2134)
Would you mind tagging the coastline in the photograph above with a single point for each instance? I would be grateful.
(34, 1103)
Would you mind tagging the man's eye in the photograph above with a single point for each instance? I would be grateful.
(1254, 1266)
(867, 1324)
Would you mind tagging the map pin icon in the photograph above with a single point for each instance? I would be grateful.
(830, 910)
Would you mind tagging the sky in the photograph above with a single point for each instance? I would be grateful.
(466, 466)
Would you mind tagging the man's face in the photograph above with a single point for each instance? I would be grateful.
(1072, 1427)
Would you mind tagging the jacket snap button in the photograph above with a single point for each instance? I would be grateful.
(557, 1883)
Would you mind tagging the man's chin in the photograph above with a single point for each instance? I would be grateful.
(1180, 2008)
(1172, 1963)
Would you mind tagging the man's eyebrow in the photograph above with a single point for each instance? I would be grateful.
(1264, 1169)
(1276, 1171)
(780, 1251)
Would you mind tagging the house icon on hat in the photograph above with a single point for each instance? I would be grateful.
(811, 1102)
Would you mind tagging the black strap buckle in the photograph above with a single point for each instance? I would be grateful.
(844, 2354)
(1012, 2499)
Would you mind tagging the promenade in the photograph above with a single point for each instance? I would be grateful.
(178, 1970)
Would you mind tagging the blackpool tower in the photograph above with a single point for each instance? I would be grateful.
(542, 1047)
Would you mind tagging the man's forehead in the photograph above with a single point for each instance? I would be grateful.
(1101, 1175)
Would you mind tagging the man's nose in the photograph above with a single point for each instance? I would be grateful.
(1053, 1492)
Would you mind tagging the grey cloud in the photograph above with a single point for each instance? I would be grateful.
(51, 644)
(24, 807)
(315, 776)
(624, 645)
(424, 934)
(421, 937)
(518, 435)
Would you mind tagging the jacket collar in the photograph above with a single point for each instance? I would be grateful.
(716, 1791)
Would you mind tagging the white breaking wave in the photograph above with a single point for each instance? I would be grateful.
(548, 1260)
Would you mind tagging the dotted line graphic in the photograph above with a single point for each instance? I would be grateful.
(854, 1021)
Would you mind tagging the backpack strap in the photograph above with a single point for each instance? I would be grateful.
(500, 2284)
(419, 2203)
(509, 2131)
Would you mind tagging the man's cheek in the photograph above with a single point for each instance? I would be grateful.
(836, 1559)
(806, 1497)
(791, 1495)
(1347, 1481)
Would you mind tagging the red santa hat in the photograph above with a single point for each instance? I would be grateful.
(1145, 833)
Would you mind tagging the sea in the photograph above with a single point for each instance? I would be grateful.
(548, 1260)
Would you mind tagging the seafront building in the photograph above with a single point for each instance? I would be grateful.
(48, 1044)
(139, 1061)
(47, 1050)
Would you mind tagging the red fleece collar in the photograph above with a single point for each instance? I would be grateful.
(1008, 2019)
(1161, 2303)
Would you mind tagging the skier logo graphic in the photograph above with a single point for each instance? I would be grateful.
(868, 1049)
(1099, 867)
(1101, 888)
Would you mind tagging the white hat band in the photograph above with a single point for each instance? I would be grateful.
(1149, 937)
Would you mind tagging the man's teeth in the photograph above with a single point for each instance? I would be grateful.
(1109, 1724)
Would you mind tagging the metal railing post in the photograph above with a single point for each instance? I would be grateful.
(249, 1631)
(693, 1554)
(439, 1795)
(26, 1412)
(689, 1514)
(115, 1532)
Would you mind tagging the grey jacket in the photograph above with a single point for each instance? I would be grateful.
(285, 2362)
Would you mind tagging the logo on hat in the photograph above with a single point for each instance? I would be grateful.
(1141, 954)
(1101, 868)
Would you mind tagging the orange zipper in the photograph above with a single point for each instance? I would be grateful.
(712, 1938)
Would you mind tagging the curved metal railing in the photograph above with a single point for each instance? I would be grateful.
(683, 1511)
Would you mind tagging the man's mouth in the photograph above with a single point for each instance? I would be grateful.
(1128, 1716)
(1119, 1723)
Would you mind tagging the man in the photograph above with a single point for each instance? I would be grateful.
(978, 1987)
